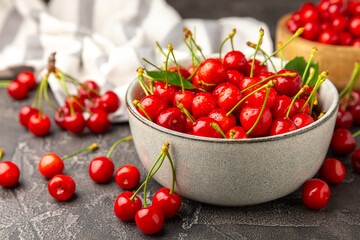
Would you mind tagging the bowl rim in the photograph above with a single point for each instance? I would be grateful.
(331, 111)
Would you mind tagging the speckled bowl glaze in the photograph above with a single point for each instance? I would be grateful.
(235, 172)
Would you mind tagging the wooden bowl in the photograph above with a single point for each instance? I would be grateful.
(339, 60)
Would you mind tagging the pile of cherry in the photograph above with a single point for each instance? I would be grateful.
(335, 22)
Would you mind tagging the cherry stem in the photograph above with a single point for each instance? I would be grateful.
(311, 75)
(296, 34)
(353, 79)
(160, 49)
(33, 105)
(1, 154)
(90, 148)
(195, 71)
(281, 55)
(172, 172)
(192, 52)
(231, 35)
(185, 111)
(166, 68)
(356, 134)
(147, 61)
(4, 83)
(256, 50)
(321, 78)
(216, 127)
(41, 92)
(141, 81)
(46, 96)
(177, 66)
(312, 54)
(116, 143)
(303, 88)
(264, 80)
(77, 82)
(232, 133)
(253, 45)
(261, 111)
(137, 103)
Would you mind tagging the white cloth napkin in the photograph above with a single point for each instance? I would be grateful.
(104, 40)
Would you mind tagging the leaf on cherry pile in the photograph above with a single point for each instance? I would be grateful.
(173, 78)
(299, 64)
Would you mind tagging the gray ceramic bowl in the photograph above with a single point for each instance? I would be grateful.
(235, 172)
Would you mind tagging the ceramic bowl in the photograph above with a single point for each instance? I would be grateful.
(232, 172)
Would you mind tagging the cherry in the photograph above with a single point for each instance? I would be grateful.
(212, 71)
(109, 102)
(311, 30)
(323, 9)
(218, 115)
(163, 92)
(59, 116)
(248, 117)
(17, 90)
(50, 165)
(191, 69)
(75, 123)
(125, 208)
(355, 160)
(169, 203)
(336, 9)
(342, 142)
(127, 177)
(281, 126)
(39, 126)
(308, 13)
(61, 187)
(293, 25)
(150, 219)
(27, 78)
(189, 125)
(298, 105)
(201, 127)
(234, 77)
(101, 169)
(354, 26)
(9, 173)
(257, 68)
(264, 75)
(329, 36)
(203, 103)
(219, 88)
(356, 42)
(339, 23)
(302, 120)
(98, 122)
(281, 106)
(332, 171)
(236, 133)
(325, 26)
(235, 60)
(89, 89)
(78, 104)
(25, 114)
(229, 97)
(288, 85)
(258, 98)
(344, 119)
(248, 83)
(172, 118)
(185, 98)
(306, 94)
(353, 101)
(355, 111)
(315, 193)
(183, 72)
(153, 106)
(296, 16)
(353, 7)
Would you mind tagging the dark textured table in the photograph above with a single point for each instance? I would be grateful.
(29, 212)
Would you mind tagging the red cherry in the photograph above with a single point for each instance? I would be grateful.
(288, 85)
(203, 103)
(218, 115)
(296, 16)
(212, 71)
(342, 142)
(235, 60)
(25, 114)
(124, 208)
(325, 26)
(329, 37)
(183, 72)
(234, 77)
(355, 111)
(332, 171)
(172, 118)
(87, 91)
(323, 9)
(166, 93)
(264, 75)
(39, 126)
(302, 120)
(248, 82)
(169, 203)
(219, 88)
(248, 117)
(191, 69)
(281, 126)
(353, 7)
(311, 30)
(308, 13)
(298, 105)
(150, 220)
(101, 169)
(109, 102)
(293, 25)
(355, 160)
(75, 124)
(306, 94)
(354, 26)
(229, 97)
(281, 106)
(239, 133)
(153, 106)
(344, 119)
(354, 99)
(17, 90)
(201, 127)
(9, 174)
(339, 23)
(77, 103)
(315, 193)
(258, 98)
(98, 122)
(60, 115)
(127, 177)
(50, 165)
(27, 78)
(356, 42)
(336, 9)
(61, 187)
(257, 68)
(185, 98)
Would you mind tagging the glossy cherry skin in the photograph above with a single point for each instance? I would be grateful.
(203, 103)
(25, 114)
(50, 165)
(153, 106)
(353, 101)
(61, 187)
(39, 127)
(257, 68)
(185, 98)
(235, 60)
(323, 9)
(356, 42)
(328, 37)
(59, 116)
(355, 111)
(218, 115)
(325, 26)
(239, 133)
(288, 86)
(234, 77)
(258, 98)
(27, 78)
(77, 103)
(220, 87)
(212, 71)
(342, 142)
(315, 193)
(17, 90)
(101, 169)
(311, 30)
(9, 174)
(169, 203)
(281, 106)
(306, 94)
(299, 104)
(149, 220)
(308, 13)
(165, 93)
(353, 7)
(344, 119)
(109, 102)
(229, 97)
(281, 126)
(201, 127)
(339, 23)
(124, 208)
(88, 90)
(332, 171)
(98, 122)
(293, 25)
(354, 26)
(75, 124)
(345, 38)
(127, 177)
(183, 72)
(355, 160)
(172, 118)
(302, 120)
(249, 83)
(248, 117)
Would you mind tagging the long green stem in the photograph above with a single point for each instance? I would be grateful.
(321, 78)
(185, 111)
(353, 80)
(1, 154)
(253, 45)
(192, 51)
(304, 88)
(264, 80)
(41, 92)
(177, 66)
(90, 148)
(311, 75)
(261, 111)
(281, 55)
(138, 104)
(36, 98)
(142, 86)
(46, 96)
(173, 173)
(256, 50)
(356, 134)
(147, 61)
(5, 83)
(166, 68)
(217, 128)
(313, 52)
(116, 143)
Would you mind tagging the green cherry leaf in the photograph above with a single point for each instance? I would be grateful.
(298, 64)
(173, 78)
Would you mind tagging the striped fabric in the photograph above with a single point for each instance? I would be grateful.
(104, 40)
